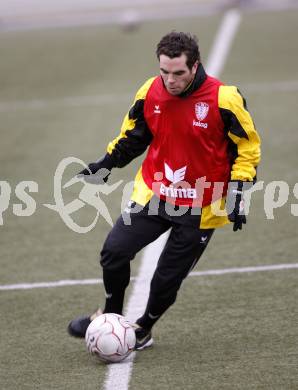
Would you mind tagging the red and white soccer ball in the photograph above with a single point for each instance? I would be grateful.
(110, 337)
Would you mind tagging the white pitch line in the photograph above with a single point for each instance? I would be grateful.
(59, 283)
(223, 42)
(210, 272)
(118, 375)
(240, 270)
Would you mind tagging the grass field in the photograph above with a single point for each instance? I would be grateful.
(225, 332)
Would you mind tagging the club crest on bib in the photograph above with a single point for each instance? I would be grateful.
(201, 110)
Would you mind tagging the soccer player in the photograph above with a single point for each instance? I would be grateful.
(203, 149)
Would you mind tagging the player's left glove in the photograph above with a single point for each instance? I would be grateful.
(98, 171)
(235, 204)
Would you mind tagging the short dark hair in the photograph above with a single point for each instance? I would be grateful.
(175, 43)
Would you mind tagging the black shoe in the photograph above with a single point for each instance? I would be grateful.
(143, 338)
(78, 326)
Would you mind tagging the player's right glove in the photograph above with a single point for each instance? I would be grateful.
(235, 204)
(98, 170)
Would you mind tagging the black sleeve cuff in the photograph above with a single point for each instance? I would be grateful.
(107, 162)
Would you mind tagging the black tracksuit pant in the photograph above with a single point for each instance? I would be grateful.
(184, 247)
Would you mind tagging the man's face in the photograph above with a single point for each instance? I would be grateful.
(175, 73)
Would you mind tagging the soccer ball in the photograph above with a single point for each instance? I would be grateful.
(110, 337)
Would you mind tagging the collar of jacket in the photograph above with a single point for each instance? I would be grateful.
(200, 77)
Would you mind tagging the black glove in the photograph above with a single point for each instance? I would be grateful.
(101, 170)
(235, 204)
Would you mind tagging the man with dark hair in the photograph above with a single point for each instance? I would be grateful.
(174, 44)
(203, 150)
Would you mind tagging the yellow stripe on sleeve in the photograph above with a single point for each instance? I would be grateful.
(129, 124)
(241, 131)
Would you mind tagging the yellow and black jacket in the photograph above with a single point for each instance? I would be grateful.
(206, 132)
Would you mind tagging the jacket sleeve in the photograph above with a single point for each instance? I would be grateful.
(135, 134)
(241, 131)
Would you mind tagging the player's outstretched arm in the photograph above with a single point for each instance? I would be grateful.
(244, 149)
(132, 141)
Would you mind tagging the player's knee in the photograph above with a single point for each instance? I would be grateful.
(166, 280)
(163, 298)
(165, 290)
(114, 256)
